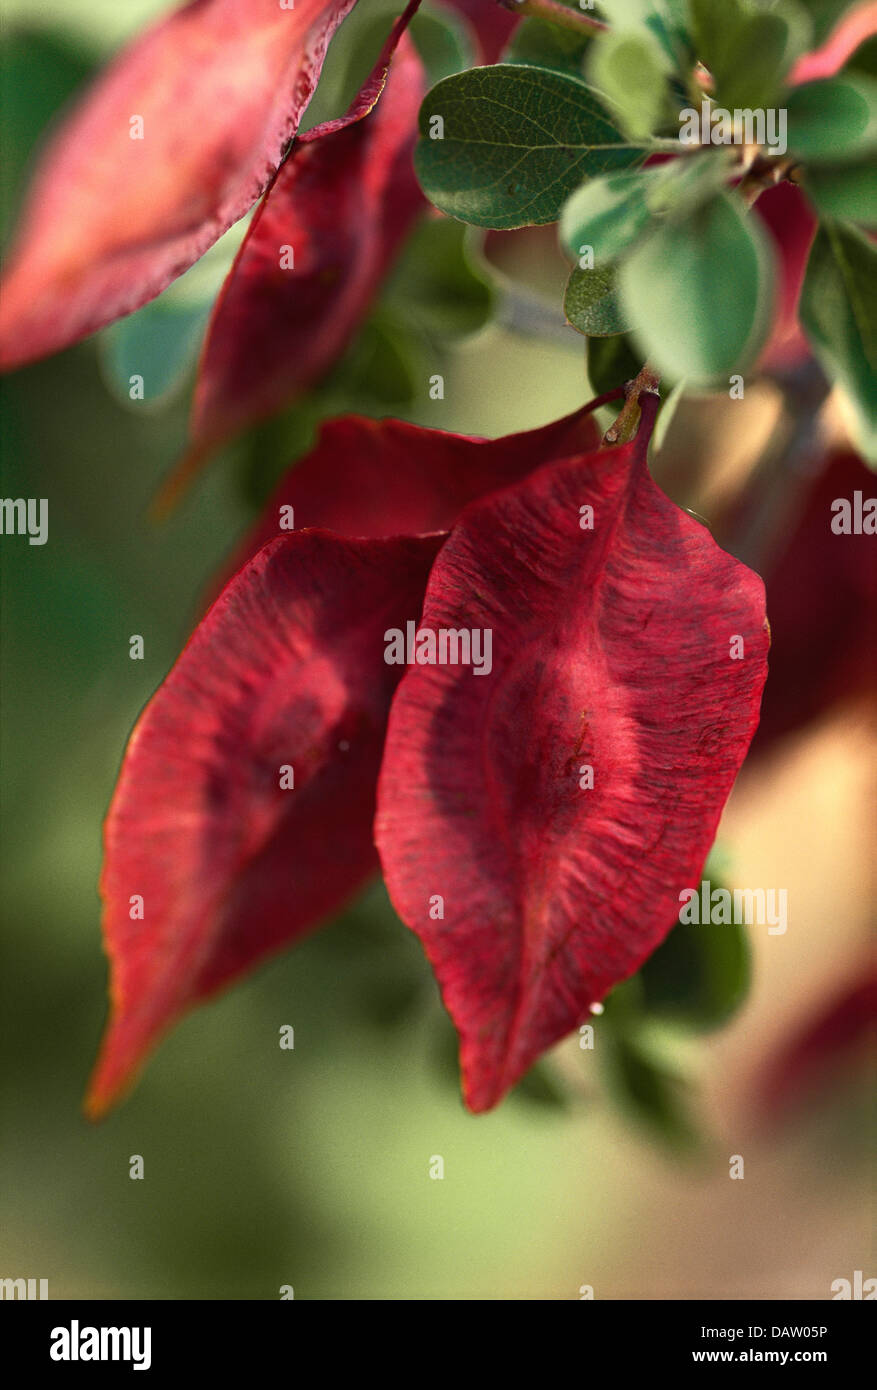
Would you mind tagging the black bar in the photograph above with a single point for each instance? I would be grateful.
(242, 1336)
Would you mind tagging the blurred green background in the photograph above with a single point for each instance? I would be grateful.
(266, 1167)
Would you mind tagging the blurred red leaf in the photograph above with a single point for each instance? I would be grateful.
(612, 649)
(220, 87)
(823, 1052)
(787, 218)
(492, 24)
(340, 207)
(286, 669)
(822, 603)
(855, 26)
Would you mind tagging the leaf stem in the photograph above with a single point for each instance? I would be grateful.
(553, 12)
(625, 426)
(763, 173)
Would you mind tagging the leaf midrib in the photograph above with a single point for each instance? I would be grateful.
(552, 144)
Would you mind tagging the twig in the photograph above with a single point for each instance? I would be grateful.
(624, 428)
(763, 173)
(553, 12)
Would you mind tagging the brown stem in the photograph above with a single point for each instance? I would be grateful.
(762, 174)
(625, 427)
(555, 13)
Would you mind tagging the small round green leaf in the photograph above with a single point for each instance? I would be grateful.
(699, 975)
(590, 303)
(504, 146)
(849, 194)
(646, 1090)
(838, 312)
(611, 362)
(824, 15)
(699, 292)
(833, 121)
(629, 69)
(159, 344)
(668, 20)
(864, 59)
(542, 1087)
(442, 42)
(536, 44)
(609, 214)
(606, 216)
(436, 287)
(382, 366)
(746, 50)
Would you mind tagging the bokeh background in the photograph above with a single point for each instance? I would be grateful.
(310, 1168)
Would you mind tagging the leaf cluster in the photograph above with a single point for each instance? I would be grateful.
(582, 129)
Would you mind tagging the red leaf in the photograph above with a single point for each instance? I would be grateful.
(611, 648)
(823, 1052)
(343, 202)
(220, 87)
(286, 669)
(388, 478)
(493, 25)
(853, 28)
(787, 218)
(822, 599)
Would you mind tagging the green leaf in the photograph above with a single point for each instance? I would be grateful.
(609, 214)
(159, 343)
(833, 121)
(838, 312)
(590, 302)
(382, 366)
(849, 193)
(665, 417)
(865, 58)
(645, 1090)
(542, 1086)
(824, 15)
(630, 71)
(504, 146)
(436, 285)
(699, 975)
(611, 362)
(606, 215)
(667, 20)
(746, 50)
(272, 445)
(699, 293)
(442, 41)
(540, 45)
(800, 28)
(443, 38)
(40, 74)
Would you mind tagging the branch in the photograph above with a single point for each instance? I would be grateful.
(554, 12)
(625, 427)
(763, 173)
